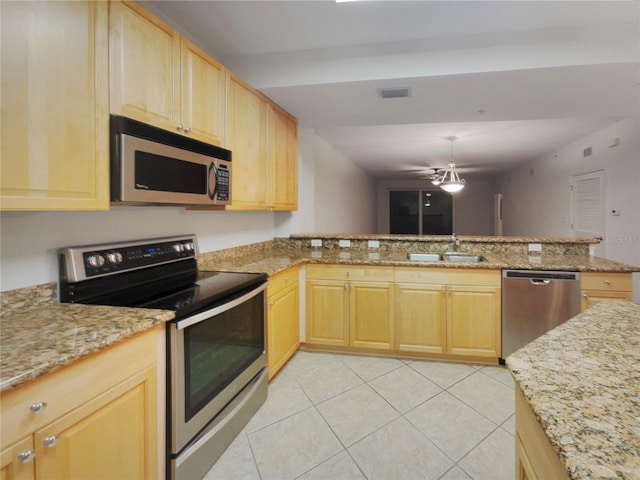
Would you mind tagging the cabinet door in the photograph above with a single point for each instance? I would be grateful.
(591, 297)
(203, 95)
(420, 318)
(327, 312)
(473, 320)
(283, 332)
(144, 66)
(283, 153)
(112, 436)
(54, 153)
(371, 314)
(11, 467)
(246, 138)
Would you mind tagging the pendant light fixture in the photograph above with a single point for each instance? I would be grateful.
(450, 180)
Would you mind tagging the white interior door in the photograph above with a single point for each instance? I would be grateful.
(497, 214)
(587, 207)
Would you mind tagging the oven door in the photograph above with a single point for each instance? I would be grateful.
(213, 356)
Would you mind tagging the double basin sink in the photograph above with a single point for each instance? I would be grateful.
(446, 257)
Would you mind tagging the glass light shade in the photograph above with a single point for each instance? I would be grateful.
(452, 187)
(450, 181)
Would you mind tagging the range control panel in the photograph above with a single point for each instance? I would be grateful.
(89, 261)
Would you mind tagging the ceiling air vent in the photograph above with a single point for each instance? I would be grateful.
(394, 92)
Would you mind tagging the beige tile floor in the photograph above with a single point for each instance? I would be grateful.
(344, 417)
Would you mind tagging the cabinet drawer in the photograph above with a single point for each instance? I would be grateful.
(448, 276)
(74, 385)
(606, 281)
(350, 272)
(282, 280)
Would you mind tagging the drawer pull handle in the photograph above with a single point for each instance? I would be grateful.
(186, 129)
(26, 456)
(38, 407)
(607, 282)
(272, 303)
(50, 441)
(585, 296)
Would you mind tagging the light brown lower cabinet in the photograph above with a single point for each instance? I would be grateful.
(453, 312)
(283, 326)
(94, 419)
(350, 306)
(450, 312)
(535, 458)
(596, 287)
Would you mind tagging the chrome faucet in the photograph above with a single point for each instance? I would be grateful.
(456, 242)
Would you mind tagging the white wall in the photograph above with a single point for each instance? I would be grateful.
(472, 207)
(29, 240)
(539, 202)
(345, 195)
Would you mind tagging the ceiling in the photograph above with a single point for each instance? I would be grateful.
(512, 80)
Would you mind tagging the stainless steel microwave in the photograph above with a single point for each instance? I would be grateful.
(153, 166)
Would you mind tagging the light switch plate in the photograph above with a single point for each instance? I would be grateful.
(345, 243)
(316, 242)
(535, 247)
(374, 244)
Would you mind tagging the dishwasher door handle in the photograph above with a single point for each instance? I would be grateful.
(540, 281)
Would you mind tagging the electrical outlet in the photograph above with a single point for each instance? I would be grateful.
(535, 247)
(374, 244)
(344, 243)
(316, 242)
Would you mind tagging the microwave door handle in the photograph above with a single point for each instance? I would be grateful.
(212, 193)
(187, 322)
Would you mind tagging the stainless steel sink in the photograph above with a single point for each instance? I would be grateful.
(425, 257)
(463, 257)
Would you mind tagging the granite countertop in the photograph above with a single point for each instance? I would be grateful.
(465, 238)
(277, 260)
(42, 337)
(582, 381)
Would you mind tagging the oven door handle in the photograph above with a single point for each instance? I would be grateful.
(187, 322)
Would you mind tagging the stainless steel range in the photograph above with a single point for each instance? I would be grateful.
(216, 375)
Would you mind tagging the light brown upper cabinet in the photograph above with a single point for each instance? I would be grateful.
(263, 139)
(160, 78)
(283, 151)
(247, 140)
(55, 105)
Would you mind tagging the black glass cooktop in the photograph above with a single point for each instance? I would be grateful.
(169, 287)
(208, 289)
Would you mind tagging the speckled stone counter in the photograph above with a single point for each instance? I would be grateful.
(40, 335)
(582, 381)
(273, 257)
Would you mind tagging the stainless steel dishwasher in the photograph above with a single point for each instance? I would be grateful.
(534, 302)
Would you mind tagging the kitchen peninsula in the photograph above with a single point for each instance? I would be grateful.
(577, 397)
